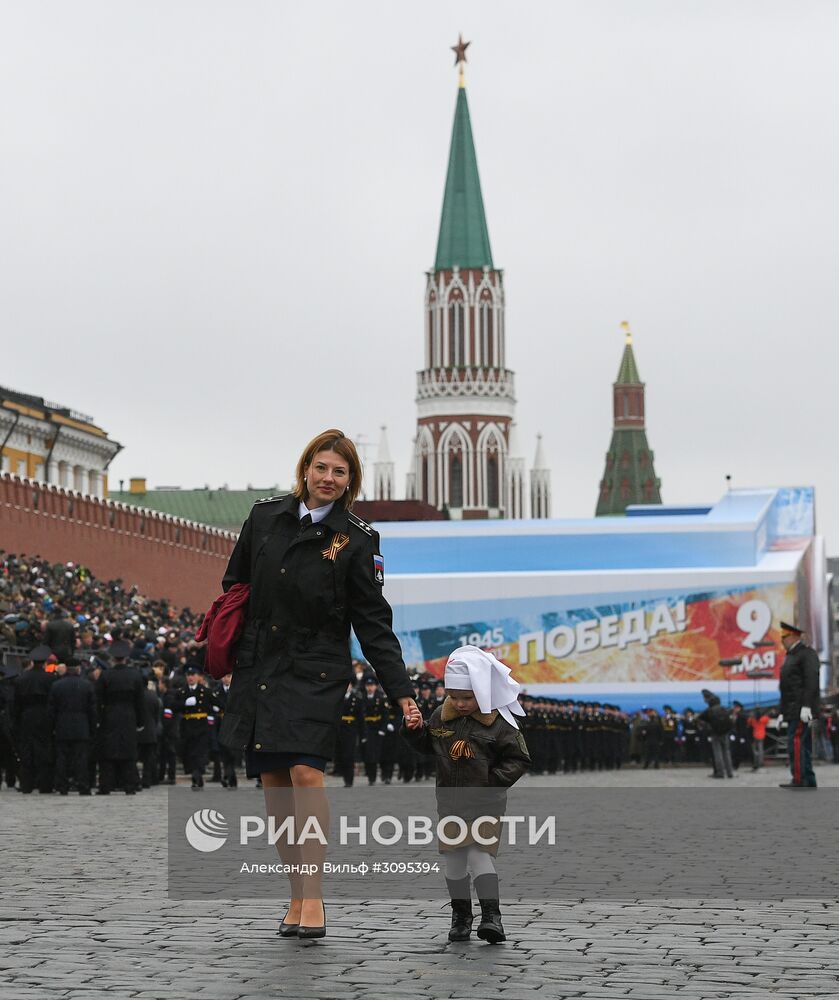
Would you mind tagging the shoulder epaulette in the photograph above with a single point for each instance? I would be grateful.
(353, 519)
(271, 499)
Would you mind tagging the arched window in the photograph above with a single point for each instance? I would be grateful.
(456, 479)
(487, 353)
(492, 480)
(424, 468)
(648, 489)
(457, 333)
(430, 354)
(624, 489)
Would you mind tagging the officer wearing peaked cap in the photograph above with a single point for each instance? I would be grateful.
(32, 723)
(196, 706)
(669, 732)
(8, 752)
(799, 688)
(374, 721)
(348, 734)
(72, 710)
(121, 707)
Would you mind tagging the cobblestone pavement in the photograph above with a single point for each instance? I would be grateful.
(84, 914)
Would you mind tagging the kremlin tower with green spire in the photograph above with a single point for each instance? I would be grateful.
(630, 476)
(465, 394)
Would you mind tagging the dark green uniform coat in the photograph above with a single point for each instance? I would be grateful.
(308, 586)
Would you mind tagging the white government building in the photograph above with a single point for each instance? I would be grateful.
(49, 443)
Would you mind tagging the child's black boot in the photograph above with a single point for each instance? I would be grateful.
(490, 928)
(459, 890)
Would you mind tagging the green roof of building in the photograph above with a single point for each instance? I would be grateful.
(628, 373)
(464, 239)
(221, 508)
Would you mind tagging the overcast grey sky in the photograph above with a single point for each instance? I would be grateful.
(216, 218)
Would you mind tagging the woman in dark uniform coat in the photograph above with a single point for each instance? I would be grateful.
(314, 570)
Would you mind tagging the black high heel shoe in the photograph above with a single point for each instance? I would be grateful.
(287, 930)
(304, 931)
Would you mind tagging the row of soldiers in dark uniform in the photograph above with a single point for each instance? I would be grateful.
(75, 728)
(369, 734)
(57, 731)
(569, 736)
(562, 735)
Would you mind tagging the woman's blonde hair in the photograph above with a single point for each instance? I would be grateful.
(331, 440)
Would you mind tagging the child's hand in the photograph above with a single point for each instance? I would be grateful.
(413, 716)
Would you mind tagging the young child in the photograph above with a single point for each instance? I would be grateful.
(476, 743)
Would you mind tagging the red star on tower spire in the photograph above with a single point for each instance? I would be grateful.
(460, 56)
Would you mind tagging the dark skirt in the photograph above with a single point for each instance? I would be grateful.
(259, 761)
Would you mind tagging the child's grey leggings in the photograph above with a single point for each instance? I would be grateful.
(469, 858)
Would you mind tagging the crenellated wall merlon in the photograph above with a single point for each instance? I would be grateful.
(163, 555)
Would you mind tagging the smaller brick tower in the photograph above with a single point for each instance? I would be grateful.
(630, 476)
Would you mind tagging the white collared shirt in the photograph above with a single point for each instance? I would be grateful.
(318, 514)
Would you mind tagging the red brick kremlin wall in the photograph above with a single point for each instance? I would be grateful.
(164, 556)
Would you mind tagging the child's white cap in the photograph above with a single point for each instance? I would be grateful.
(472, 669)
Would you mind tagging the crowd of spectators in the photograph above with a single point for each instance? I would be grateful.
(65, 607)
(75, 618)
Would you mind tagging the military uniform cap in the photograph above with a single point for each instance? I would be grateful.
(40, 654)
(791, 629)
(120, 649)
